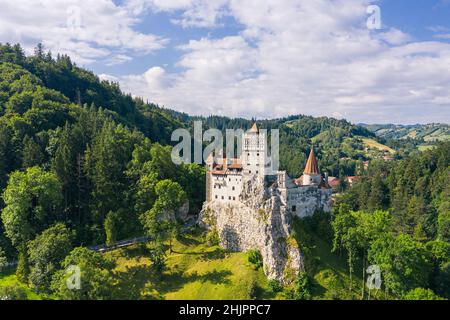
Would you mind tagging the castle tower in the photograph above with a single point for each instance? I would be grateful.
(254, 152)
(311, 174)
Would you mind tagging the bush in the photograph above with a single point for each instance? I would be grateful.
(3, 259)
(12, 293)
(212, 238)
(303, 287)
(275, 286)
(251, 289)
(422, 294)
(255, 258)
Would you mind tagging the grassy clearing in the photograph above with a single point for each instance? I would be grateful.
(376, 145)
(9, 279)
(194, 272)
(425, 148)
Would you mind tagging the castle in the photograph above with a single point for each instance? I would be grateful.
(251, 206)
(225, 177)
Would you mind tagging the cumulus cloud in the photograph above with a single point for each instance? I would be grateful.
(311, 57)
(289, 57)
(88, 31)
(194, 13)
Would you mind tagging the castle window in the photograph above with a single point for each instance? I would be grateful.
(234, 188)
(257, 171)
(294, 208)
(258, 154)
(249, 171)
(217, 197)
(223, 197)
(234, 198)
(229, 198)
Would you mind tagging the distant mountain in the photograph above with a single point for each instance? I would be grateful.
(429, 133)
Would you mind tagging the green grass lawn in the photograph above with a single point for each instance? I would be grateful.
(194, 272)
(9, 279)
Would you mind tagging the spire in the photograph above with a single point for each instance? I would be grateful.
(311, 166)
(255, 128)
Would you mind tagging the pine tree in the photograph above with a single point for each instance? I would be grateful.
(32, 154)
(39, 51)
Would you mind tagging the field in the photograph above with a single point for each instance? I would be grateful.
(429, 132)
(370, 143)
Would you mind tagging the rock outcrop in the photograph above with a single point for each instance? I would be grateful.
(258, 221)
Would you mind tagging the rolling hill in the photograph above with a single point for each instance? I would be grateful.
(429, 133)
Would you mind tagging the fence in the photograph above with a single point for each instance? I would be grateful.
(120, 244)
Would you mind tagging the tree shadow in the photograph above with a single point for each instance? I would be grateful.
(188, 241)
(131, 283)
(217, 254)
(176, 280)
(136, 251)
(317, 288)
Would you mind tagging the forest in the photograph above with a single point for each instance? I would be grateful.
(398, 217)
(83, 164)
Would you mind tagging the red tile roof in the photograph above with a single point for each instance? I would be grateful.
(312, 166)
(254, 129)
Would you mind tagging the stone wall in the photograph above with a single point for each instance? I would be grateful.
(305, 201)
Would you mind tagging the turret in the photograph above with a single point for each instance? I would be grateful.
(311, 174)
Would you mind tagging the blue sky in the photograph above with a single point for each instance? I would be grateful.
(255, 58)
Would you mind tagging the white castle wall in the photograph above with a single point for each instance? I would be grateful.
(305, 201)
(226, 188)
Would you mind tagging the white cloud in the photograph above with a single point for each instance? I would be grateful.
(442, 36)
(87, 30)
(118, 59)
(291, 56)
(194, 13)
(311, 57)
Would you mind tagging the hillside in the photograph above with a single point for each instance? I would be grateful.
(429, 133)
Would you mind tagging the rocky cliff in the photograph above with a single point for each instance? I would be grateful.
(258, 221)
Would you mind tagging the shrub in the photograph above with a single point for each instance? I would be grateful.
(251, 289)
(255, 258)
(12, 293)
(275, 286)
(212, 238)
(422, 294)
(303, 287)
